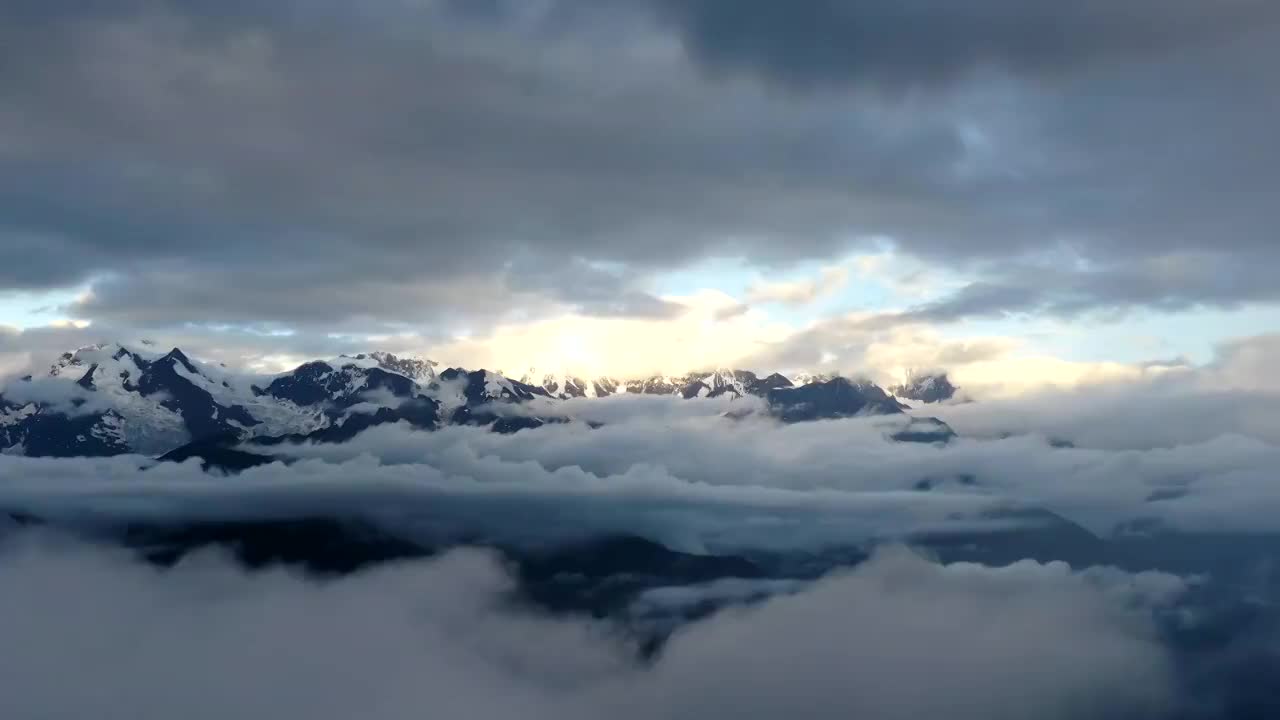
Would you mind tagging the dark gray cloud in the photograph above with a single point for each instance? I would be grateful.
(1172, 283)
(843, 345)
(929, 42)
(594, 290)
(393, 163)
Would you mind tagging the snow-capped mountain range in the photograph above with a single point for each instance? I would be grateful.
(111, 399)
(692, 385)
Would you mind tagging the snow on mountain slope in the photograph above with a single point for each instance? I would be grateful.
(926, 388)
(419, 370)
(120, 411)
(804, 378)
(711, 383)
(108, 399)
(488, 386)
(353, 392)
(104, 399)
(836, 398)
(563, 385)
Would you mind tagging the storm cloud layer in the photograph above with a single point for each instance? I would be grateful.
(347, 167)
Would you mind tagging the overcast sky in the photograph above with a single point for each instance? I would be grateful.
(1027, 191)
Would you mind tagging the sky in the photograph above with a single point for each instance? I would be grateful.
(1070, 207)
(1024, 194)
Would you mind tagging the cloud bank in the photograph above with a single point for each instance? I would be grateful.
(897, 638)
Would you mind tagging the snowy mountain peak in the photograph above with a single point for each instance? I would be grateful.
(925, 387)
(838, 397)
(110, 398)
(76, 362)
(419, 370)
(805, 378)
(565, 385)
(706, 383)
(727, 380)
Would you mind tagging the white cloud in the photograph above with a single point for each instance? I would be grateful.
(800, 292)
(897, 639)
(1246, 364)
(700, 337)
(677, 471)
(984, 366)
(104, 636)
(901, 638)
(910, 280)
(1018, 374)
(61, 395)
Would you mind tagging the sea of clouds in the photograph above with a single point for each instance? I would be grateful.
(92, 633)
(90, 629)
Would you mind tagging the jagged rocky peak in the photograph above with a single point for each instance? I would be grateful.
(836, 398)
(702, 383)
(348, 379)
(177, 356)
(110, 398)
(706, 383)
(113, 366)
(606, 386)
(725, 381)
(107, 399)
(809, 378)
(116, 364)
(484, 385)
(565, 385)
(925, 387)
(655, 385)
(420, 370)
(772, 382)
(75, 362)
(713, 382)
(343, 383)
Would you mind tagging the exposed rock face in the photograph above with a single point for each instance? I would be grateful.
(926, 388)
(836, 398)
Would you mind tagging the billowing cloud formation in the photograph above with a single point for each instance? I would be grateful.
(879, 347)
(1246, 364)
(679, 472)
(60, 396)
(896, 639)
(1207, 454)
(467, 491)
